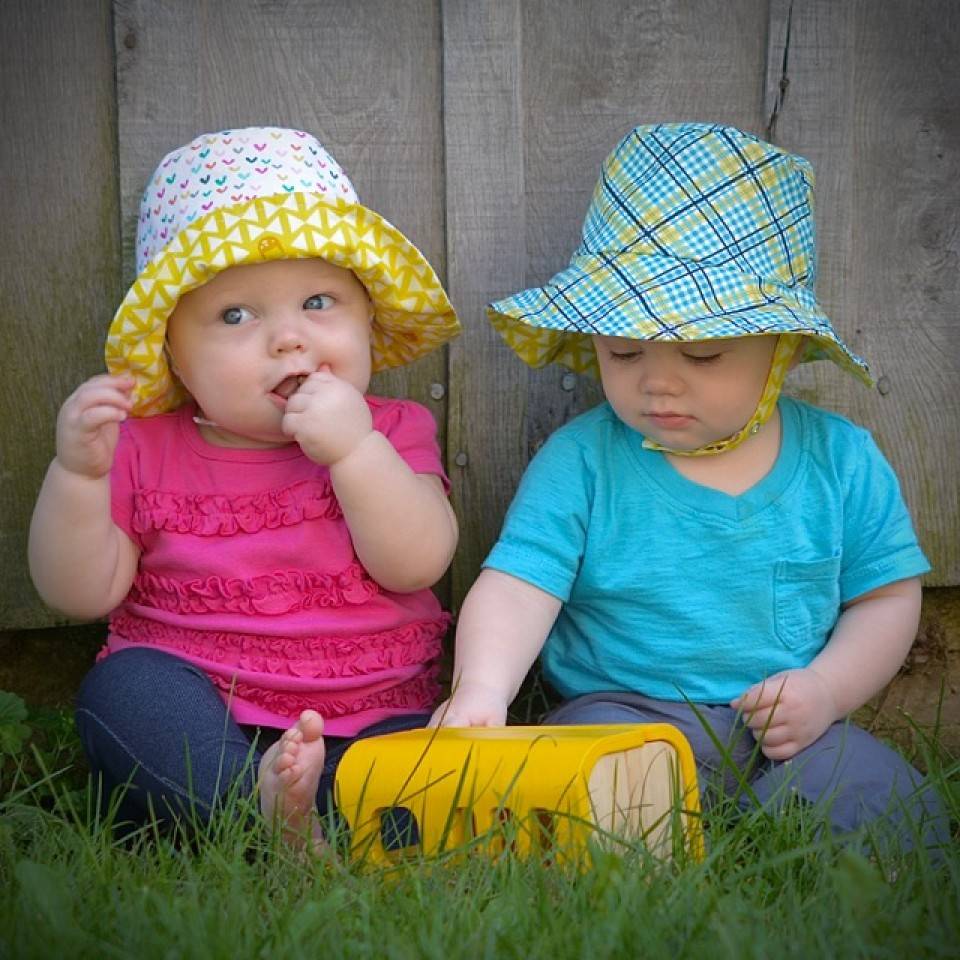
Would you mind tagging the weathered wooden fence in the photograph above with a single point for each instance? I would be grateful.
(478, 126)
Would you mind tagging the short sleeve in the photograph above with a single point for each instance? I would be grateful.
(880, 545)
(412, 431)
(123, 483)
(544, 533)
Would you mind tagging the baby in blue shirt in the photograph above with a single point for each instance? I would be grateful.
(699, 548)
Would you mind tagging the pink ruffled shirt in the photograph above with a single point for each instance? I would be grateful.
(248, 571)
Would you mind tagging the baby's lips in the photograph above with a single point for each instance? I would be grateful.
(287, 387)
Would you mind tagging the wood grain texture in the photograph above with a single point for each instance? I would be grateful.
(536, 94)
(485, 256)
(478, 127)
(59, 249)
(363, 78)
(871, 101)
(632, 63)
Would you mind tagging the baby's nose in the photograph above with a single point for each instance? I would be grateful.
(661, 378)
(288, 337)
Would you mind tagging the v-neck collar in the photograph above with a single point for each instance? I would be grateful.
(703, 499)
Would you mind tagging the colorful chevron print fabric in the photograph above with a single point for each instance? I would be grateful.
(695, 232)
(247, 196)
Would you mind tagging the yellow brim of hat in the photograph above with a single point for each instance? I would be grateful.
(538, 347)
(555, 323)
(412, 314)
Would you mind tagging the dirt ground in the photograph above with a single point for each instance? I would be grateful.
(926, 691)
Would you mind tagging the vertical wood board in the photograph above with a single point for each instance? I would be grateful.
(633, 63)
(485, 253)
(871, 102)
(536, 94)
(59, 249)
(363, 78)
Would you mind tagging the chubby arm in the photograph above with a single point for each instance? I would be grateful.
(402, 525)
(502, 627)
(868, 645)
(80, 561)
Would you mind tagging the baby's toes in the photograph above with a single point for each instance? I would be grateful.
(292, 736)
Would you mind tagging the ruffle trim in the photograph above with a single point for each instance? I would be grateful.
(272, 594)
(209, 515)
(303, 657)
(419, 693)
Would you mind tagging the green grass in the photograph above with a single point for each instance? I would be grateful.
(765, 889)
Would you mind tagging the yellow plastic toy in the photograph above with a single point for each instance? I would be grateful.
(541, 790)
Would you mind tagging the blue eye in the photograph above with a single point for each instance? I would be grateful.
(319, 301)
(234, 315)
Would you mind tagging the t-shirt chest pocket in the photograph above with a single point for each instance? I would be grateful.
(806, 599)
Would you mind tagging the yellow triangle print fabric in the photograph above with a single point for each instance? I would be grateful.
(253, 195)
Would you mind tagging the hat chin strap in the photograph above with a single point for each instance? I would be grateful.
(787, 345)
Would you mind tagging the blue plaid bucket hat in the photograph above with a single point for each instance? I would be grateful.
(695, 232)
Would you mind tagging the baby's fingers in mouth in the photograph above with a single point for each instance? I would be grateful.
(287, 387)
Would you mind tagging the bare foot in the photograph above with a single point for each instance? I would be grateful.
(289, 775)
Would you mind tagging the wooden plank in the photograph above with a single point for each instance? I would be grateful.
(630, 65)
(59, 249)
(871, 101)
(536, 94)
(485, 255)
(365, 79)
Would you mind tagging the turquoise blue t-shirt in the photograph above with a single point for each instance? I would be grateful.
(678, 591)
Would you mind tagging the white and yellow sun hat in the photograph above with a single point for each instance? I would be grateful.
(247, 196)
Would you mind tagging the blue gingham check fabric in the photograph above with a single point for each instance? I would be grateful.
(695, 232)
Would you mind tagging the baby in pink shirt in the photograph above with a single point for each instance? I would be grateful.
(262, 533)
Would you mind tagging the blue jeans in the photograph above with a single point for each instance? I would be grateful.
(155, 725)
(852, 778)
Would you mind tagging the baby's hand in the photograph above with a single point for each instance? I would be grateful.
(788, 711)
(328, 417)
(88, 424)
(471, 706)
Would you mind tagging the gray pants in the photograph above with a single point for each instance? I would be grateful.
(854, 779)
